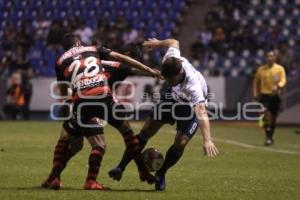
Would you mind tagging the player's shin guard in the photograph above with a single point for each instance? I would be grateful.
(61, 157)
(127, 156)
(172, 157)
(95, 159)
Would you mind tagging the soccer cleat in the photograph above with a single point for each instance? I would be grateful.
(93, 185)
(146, 176)
(116, 173)
(269, 142)
(52, 183)
(160, 182)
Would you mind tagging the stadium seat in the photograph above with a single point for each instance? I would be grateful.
(227, 63)
(291, 42)
(281, 12)
(260, 53)
(266, 12)
(242, 63)
(273, 22)
(234, 73)
(286, 32)
(246, 53)
(211, 64)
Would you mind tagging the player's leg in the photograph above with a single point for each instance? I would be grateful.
(273, 110)
(267, 119)
(150, 128)
(186, 129)
(268, 127)
(62, 155)
(173, 155)
(97, 143)
(134, 149)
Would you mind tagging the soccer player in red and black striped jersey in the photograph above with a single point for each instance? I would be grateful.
(80, 68)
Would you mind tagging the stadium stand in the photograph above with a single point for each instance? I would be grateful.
(231, 43)
(31, 29)
(236, 34)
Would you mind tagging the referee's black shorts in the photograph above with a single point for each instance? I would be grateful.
(271, 103)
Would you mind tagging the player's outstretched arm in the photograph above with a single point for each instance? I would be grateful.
(208, 146)
(134, 63)
(153, 43)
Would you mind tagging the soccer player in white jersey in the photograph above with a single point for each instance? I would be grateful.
(184, 102)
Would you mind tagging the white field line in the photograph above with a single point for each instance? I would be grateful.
(249, 146)
(237, 143)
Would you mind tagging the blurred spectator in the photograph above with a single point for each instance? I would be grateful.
(23, 41)
(218, 42)
(8, 39)
(41, 26)
(205, 37)
(84, 32)
(27, 92)
(15, 98)
(286, 58)
(55, 33)
(5, 66)
(129, 35)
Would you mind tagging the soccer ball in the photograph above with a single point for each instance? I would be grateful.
(153, 159)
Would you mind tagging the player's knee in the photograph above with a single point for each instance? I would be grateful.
(181, 141)
(179, 146)
(101, 147)
(76, 148)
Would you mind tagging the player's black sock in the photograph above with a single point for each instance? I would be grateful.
(172, 157)
(269, 132)
(60, 158)
(134, 149)
(127, 157)
(272, 130)
(95, 159)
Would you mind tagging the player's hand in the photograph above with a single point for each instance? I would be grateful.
(156, 73)
(210, 149)
(151, 44)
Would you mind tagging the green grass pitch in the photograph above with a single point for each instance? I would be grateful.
(243, 170)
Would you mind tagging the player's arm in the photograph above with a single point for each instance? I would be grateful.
(208, 146)
(134, 63)
(107, 54)
(154, 43)
(282, 81)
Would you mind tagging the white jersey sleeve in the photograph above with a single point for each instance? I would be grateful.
(172, 52)
(195, 94)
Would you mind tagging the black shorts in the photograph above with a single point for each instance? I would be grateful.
(169, 111)
(271, 103)
(88, 115)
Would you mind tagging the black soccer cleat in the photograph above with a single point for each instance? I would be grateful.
(160, 182)
(116, 173)
(146, 176)
(269, 142)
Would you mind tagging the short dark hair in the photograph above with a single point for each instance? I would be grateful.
(171, 67)
(69, 40)
(275, 51)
